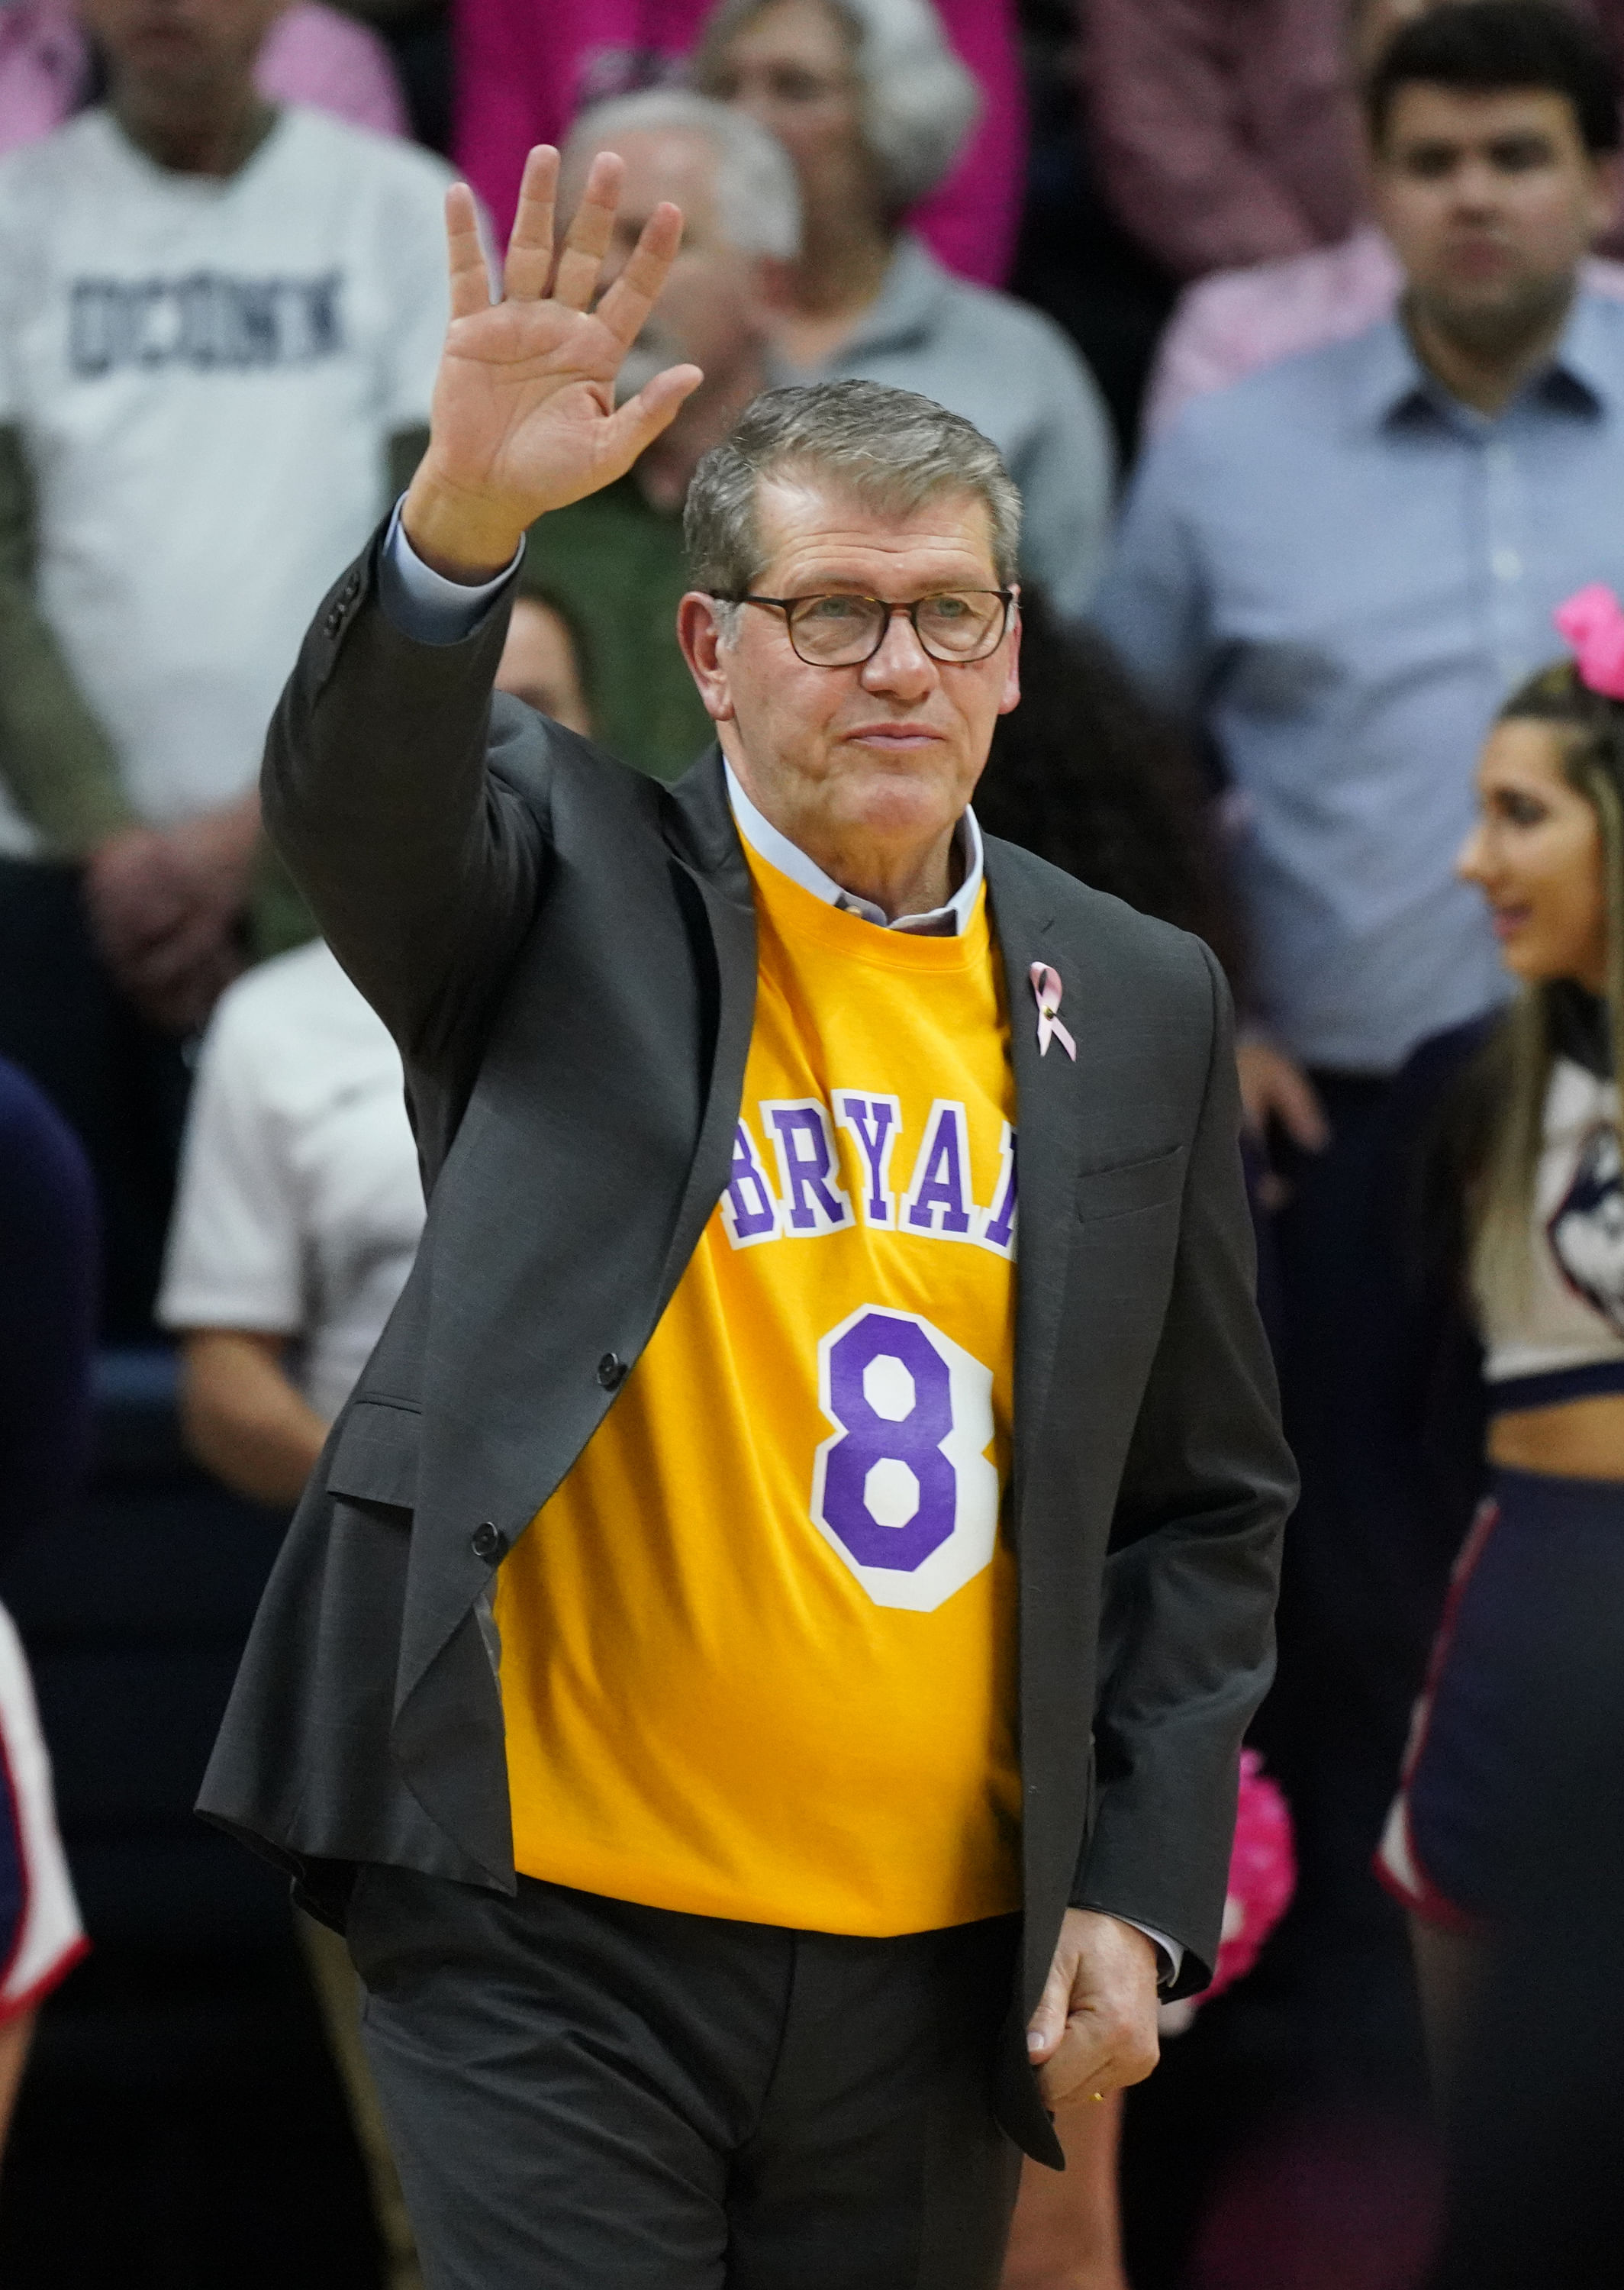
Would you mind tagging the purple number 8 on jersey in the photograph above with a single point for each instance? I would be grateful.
(905, 1493)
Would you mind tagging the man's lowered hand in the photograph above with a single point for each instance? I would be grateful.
(1095, 2026)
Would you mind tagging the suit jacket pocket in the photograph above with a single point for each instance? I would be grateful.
(1132, 1186)
(375, 1460)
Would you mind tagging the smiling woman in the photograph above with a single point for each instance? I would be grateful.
(1534, 1176)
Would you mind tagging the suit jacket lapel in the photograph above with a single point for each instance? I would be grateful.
(704, 846)
(1051, 1105)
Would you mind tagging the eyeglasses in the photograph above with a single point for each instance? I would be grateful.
(844, 631)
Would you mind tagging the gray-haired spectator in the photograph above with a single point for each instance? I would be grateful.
(214, 315)
(873, 107)
(618, 555)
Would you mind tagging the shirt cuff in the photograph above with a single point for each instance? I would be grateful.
(423, 604)
(1170, 1953)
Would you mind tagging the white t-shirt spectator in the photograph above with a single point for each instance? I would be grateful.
(205, 374)
(300, 1204)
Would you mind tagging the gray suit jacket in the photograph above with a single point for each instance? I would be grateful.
(565, 952)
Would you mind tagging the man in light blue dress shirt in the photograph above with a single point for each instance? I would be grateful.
(1341, 566)
(1338, 568)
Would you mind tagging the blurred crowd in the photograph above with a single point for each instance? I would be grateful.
(1300, 324)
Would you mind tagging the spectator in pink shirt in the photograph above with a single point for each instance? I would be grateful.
(318, 56)
(1239, 321)
(42, 69)
(312, 55)
(1225, 131)
(524, 68)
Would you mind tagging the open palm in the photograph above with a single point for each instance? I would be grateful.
(524, 418)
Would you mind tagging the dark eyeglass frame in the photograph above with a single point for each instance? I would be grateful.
(1007, 597)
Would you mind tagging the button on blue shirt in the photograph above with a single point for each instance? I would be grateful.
(1342, 572)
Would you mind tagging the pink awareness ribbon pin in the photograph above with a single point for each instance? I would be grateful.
(1046, 985)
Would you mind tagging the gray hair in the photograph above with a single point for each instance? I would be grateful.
(892, 449)
(919, 101)
(758, 200)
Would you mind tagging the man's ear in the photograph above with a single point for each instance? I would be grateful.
(1607, 192)
(699, 631)
(1012, 682)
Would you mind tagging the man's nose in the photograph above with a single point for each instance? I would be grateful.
(1478, 186)
(902, 661)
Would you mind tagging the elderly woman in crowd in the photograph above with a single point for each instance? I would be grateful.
(874, 107)
(524, 71)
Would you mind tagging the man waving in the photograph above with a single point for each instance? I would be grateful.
(759, 1669)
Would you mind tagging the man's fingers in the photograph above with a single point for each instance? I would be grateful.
(164, 962)
(1097, 2054)
(530, 245)
(470, 283)
(640, 421)
(628, 301)
(587, 241)
(1273, 1088)
(1301, 1113)
(1081, 2063)
(1046, 2028)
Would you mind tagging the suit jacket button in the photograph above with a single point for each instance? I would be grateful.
(612, 1371)
(488, 1540)
(334, 621)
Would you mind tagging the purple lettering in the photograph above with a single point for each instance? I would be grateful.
(749, 1209)
(939, 1198)
(812, 1199)
(999, 1229)
(875, 1122)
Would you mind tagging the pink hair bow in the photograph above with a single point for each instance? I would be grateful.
(1047, 988)
(1592, 623)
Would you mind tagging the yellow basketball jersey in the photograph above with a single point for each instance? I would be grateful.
(758, 1650)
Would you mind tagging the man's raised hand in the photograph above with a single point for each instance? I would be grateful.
(524, 418)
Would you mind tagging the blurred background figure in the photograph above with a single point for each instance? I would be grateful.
(873, 107)
(524, 71)
(1087, 775)
(1537, 2130)
(1226, 131)
(215, 315)
(1528, 1186)
(1232, 322)
(298, 1217)
(544, 662)
(311, 54)
(618, 556)
(299, 1206)
(1336, 568)
(47, 1324)
(1495, 1276)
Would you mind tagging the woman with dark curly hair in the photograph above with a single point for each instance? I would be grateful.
(1088, 776)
